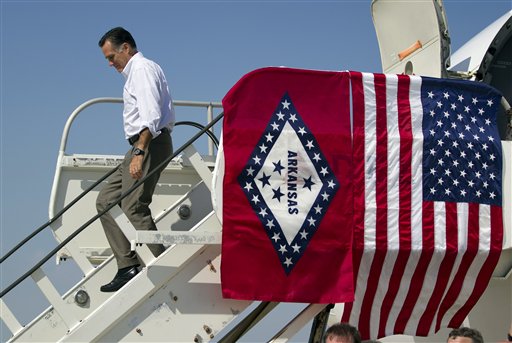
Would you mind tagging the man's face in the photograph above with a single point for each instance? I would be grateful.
(117, 58)
(460, 340)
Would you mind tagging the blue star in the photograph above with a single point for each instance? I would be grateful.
(277, 194)
(278, 167)
(264, 180)
(308, 183)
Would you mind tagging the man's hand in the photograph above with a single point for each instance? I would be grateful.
(136, 167)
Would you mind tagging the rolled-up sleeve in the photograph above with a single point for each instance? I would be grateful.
(147, 87)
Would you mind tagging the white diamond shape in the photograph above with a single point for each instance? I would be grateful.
(290, 223)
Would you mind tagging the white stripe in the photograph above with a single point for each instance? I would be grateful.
(393, 201)
(462, 234)
(433, 268)
(484, 246)
(370, 200)
(416, 201)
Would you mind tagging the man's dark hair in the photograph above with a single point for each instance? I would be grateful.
(117, 36)
(474, 334)
(343, 330)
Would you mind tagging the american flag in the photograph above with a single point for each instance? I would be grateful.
(427, 201)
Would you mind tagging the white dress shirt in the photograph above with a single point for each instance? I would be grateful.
(146, 96)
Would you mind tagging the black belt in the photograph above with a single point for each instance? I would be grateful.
(136, 137)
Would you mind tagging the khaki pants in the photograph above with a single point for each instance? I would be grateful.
(135, 205)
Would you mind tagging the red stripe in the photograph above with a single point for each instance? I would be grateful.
(404, 224)
(487, 269)
(467, 260)
(358, 177)
(419, 274)
(381, 173)
(444, 271)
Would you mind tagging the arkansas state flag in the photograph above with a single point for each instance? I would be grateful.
(287, 194)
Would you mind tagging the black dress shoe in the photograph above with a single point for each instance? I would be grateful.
(122, 277)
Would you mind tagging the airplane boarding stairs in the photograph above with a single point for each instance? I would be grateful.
(177, 296)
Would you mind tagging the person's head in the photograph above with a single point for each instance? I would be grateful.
(465, 335)
(342, 333)
(118, 46)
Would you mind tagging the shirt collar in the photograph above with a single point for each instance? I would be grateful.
(128, 66)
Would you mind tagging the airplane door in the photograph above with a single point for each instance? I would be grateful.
(413, 36)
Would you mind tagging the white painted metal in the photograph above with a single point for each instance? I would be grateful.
(412, 36)
(8, 317)
(49, 291)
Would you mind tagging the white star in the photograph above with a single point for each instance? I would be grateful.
(316, 157)
(490, 102)
(481, 111)
(485, 166)
(293, 117)
(439, 104)
(477, 155)
(446, 114)
(463, 173)
(432, 190)
(250, 171)
(302, 131)
(492, 176)
(453, 106)
(471, 183)
(331, 184)
(325, 196)
(296, 248)
(318, 209)
(282, 249)
(311, 221)
(439, 123)
(269, 137)
(276, 237)
(430, 94)
(473, 120)
(478, 193)
(492, 157)
(263, 212)
(461, 98)
(256, 159)
(275, 126)
(486, 184)
(432, 171)
(470, 145)
(463, 192)
(263, 148)
(303, 234)
(477, 174)
(324, 171)
(286, 104)
(288, 261)
(310, 145)
(491, 138)
(446, 95)
(463, 154)
(466, 109)
(461, 135)
(492, 195)
(474, 101)
(280, 115)
(432, 152)
(270, 223)
(459, 116)
(255, 199)
(447, 191)
(440, 181)
(487, 121)
(248, 186)
(432, 113)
